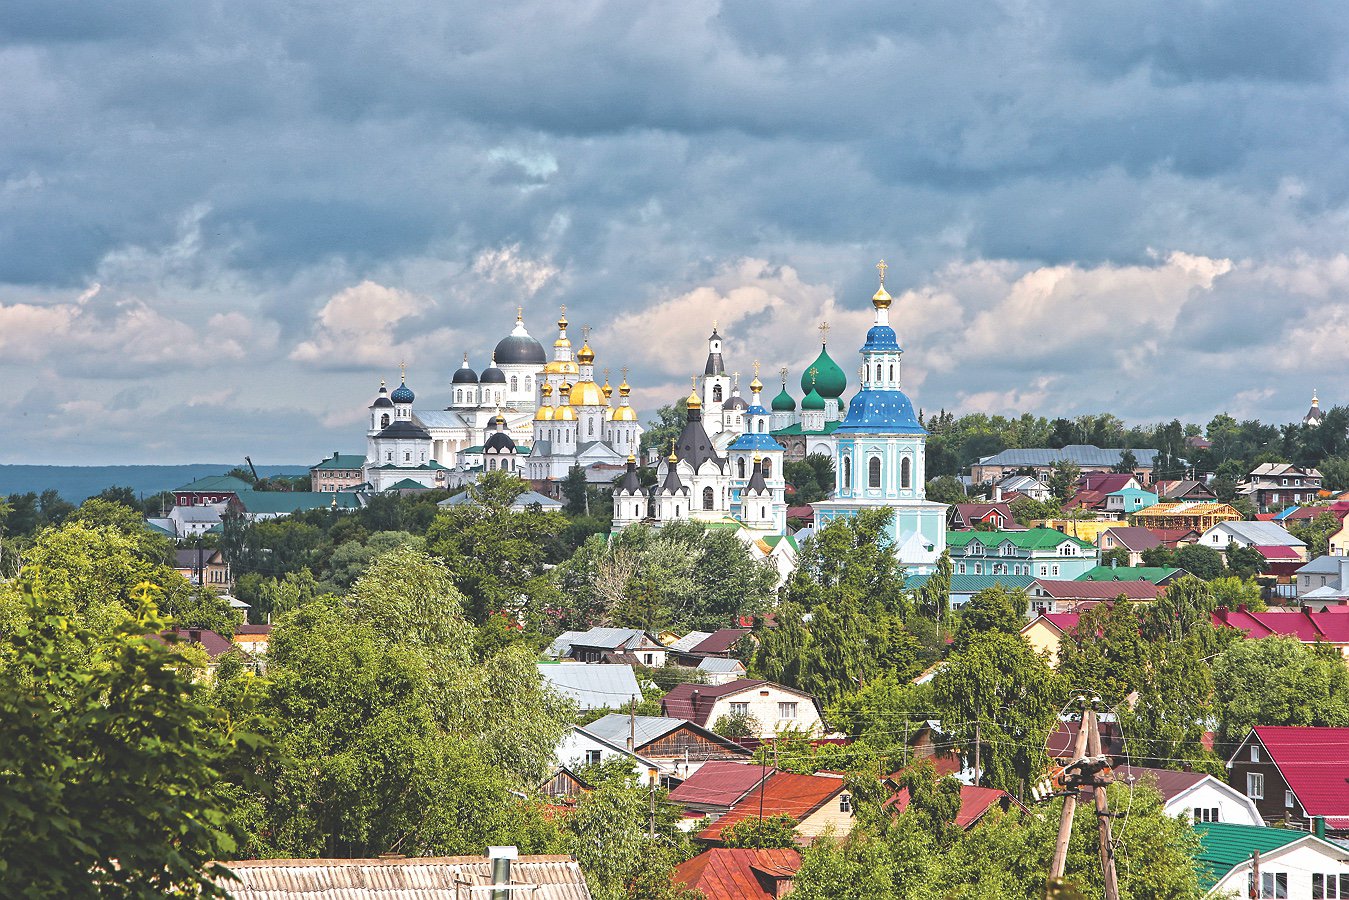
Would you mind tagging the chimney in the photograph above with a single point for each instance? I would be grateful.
(997, 493)
(1319, 826)
(501, 870)
(1221, 613)
(694, 697)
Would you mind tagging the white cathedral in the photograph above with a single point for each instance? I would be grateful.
(524, 413)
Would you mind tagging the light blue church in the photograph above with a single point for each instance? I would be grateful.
(880, 453)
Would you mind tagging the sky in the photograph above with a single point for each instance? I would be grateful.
(221, 224)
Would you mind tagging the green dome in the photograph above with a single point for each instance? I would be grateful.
(813, 400)
(829, 378)
(783, 402)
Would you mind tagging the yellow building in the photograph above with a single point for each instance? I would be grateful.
(1045, 634)
(1089, 530)
(1201, 516)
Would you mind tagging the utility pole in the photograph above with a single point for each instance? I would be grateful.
(978, 767)
(1255, 874)
(1069, 805)
(1102, 810)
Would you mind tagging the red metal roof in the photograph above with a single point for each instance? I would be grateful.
(719, 783)
(719, 641)
(679, 702)
(1098, 590)
(738, 874)
(1315, 763)
(974, 802)
(1273, 553)
(1307, 627)
(784, 794)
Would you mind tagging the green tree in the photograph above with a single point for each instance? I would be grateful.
(1316, 533)
(1063, 478)
(1202, 562)
(812, 478)
(946, 489)
(993, 610)
(666, 427)
(769, 833)
(1244, 562)
(737, 725)
(110, 764)
(1128, 462)
(1278, 681)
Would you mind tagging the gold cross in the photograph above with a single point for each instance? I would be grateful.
(783, 372)
(881, 267)
(824, 332)
(624, 370)
(756, 368)
(714, 326)
(519, 313)
(585, 333)
(403, 369)
(813, 372)
(693, 380)
(606, 376)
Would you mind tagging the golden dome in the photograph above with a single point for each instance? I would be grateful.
(694, 402)
(561, 367)
(546, 389)
(756, 385)
(585, 356)
(562, 319)
(561, 342)
(544, 413)
(608, 391)
(587, 393)
(881, 299)
(564, 414)
(673, 457)
(624, 389)
(624, 414)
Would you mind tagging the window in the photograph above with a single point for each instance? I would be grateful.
(978, 568)
(739, 709)
(384, 421)
(844, 803)
(847, 473)
(892, 371)
(1255, 785)
(1329, 886)
(716, 393)
(708, 498)
(905, 473)
(1255, 753)
(593, 757)
(961, 568)
(649, 658)
(874, 472)
(1288, 800)
(740, 467)
(515, 383)
(1044, 570)
(786, 710)
(1272, 885)
(1206, 814)
(762, 426)
(407, 456)
(767, 468)
(1054, 569)
(529, 383)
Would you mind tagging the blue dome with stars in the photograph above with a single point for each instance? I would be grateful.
(402, 394)
(881, 412)
(881, 337)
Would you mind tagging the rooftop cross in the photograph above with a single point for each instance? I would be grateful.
(403, 370)
(756, 368)
(881, 267)
(783, 372)
(813, 372)
(624, 370)
(824, 332)
(585, 332)
(519, 314)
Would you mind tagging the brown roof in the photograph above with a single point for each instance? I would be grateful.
(720, 641)
(1134, 538)
(1063, 738)
(425, 878)
(1168, 782)
(1097, 590)
(719, 783)
(974, 802)
(215, 644)
(679, 703)
(738, 874)
(784, 794)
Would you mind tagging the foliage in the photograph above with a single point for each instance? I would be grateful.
(771, 832)
(608, 833)
(1278, 681)
(665, 427)
(1202, 562)
(812, 477)
(110, 764)
(994, 610)
(946, 489)
(737, 725)
(1062, 480)
(1316, 533)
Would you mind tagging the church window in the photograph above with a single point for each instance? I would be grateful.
(740, 467)
(591, 427)
(874, 472)
(676, 510)
(878, 371)
(407, 456)
(762, 426)
(847, 472)
(905, 472)
(767, 468)
(709, 499)
(529, 383)
(763, 512)
(716, 393)
(384, 421)
(459, 396)
(892, 371)
(389, 455)
(515, 384)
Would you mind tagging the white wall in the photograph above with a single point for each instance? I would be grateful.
(1297, 862)
(571, 752)
(765, 709)
(1233, 807)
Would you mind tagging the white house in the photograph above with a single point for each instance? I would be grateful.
(579, 747)
(1251, 534)
(774, 707)
(1194, 795)
(621, 645)
(1293, 863)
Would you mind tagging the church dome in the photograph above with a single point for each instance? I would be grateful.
(402, 394)
(624, 414)
(518, 348)
(881, 412)
(783, 402)
(736, 402)
(492, 375)
(465, 374)
(544, 413)
(585, 356)
(587, 393)
(813, 400)
(829, 379)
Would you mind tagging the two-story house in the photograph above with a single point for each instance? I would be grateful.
(1195, 795)
(774, 707)
(613, 645)
(1272, 486)
(1038, 552)
(203, 567)
(1252, 534)
(1295, 775)
(340, 472)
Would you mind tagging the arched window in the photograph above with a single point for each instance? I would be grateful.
(740, 467)
(459, 396)
(847, 472)
(708, 498)
(716, 393)
(763, 512)
(892, 371)
(590, 427)
(407, 456)
(676, 510)
(384, 421)
(878, 371)
(529, 383)
(905, 472)
(762, 426)
(874, 472)
(767, 468)
(515, 384)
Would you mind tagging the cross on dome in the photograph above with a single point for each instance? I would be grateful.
(824, 334)
(881, 267)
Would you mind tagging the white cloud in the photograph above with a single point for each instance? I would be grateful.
(358, 328)
(509, 264)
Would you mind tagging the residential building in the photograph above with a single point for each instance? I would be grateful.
(726, 873)
(203, 567)
(1039, 552)
(1131, 539)
(1025, 485)
(1272, 486)
(583, 746)
(719, 643)
(1045, 633)
(1252, 534)
(1176, 491)
(1158, 575)
(257, 506)
(1324, 572)
(618, 645)
(399, 878)
(1194, 795)
(1311, 628)
(1199, 516)
(192, 521)
(525, 500)
(678, 746)
(592, 687)
(817, 803)
(1292, 863)
(989, 516)
(776, 708)
(716, 670)
(1175, 538)
(1124, 503)
(209, 491)
(1338, 543)
(716, 787)
(340, 472)
(1050, 596)
(1295, 775)
(1087, 457)
(253, 639)
(1093, 489)
(1085, 529)
(965, 586)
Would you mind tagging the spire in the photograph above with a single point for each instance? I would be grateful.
(756, 385)
(631, 483)
(695, 402)
(756, 479)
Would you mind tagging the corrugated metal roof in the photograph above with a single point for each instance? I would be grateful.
(720, 783)
(1314, 762)
(1225, 845)
(428, 878)
(1097, 590)
(608, 638)
(1082, 454)
(690, 640)
(738, 874)
(784, 794)
(592, 687)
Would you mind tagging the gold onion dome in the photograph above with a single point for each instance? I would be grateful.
(881, 299)
(544, 413)
(608, 391)
(561, 367)
(563, 413)
(694, 402)
(624, 414)
(624, 388)
(756, 385)
(673, 457)
(587, 393)
(585, 356)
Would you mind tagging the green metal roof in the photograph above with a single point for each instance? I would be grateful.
(772, 540)
(286, 502)
(829, 428)
(1034, 539)
(217, 483)
(342, 461)
(1224, 846)
(407, 484)
(973, 584)
(1153, 574)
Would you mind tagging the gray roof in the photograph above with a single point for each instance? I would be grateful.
(561, 645)
(717, 664)
(607, 638)
(690, 640)
(440, 418)
(1022, 482)
(592, 687)
(428, 878)
(528, 498)
(1265, 534)
(1322, 565)
(616, 727)
(197, 513)
(1082, 454)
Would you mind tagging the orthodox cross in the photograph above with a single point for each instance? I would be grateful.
(519, 313)
(403, 370)
(824, 332)
(585, 333)
(813, 372)
(756, 368)
(783, 373)
(881, 267)
(624, 370)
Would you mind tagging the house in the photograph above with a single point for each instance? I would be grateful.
(719, 671)
(1158, 575)
(1042, 552)
(990, 516)
(1123, 503)
(687, 642)
(210, 490)
(975, 802)
(1273, 486)
(1175, 538)
(1087, 457)
(773, 706)
(564, 784)
(1046, 631)
(1025, 485)
(216, 645)
(560, 648)
(253, 639)
(964, 587)
(678, 746)
(1084, 529)
(261, 505)
(1295, 775)
(1199, 516)
(526, 500)
(727, 873)
(620, 645)
(340, 472)
(1251, 534)
(1325, 627)
(1338, 543)
(582, 746)
(1292, 863)
(203, 566)
(1094, 488)
(592, 687)
(719, 643)
(1179, 490)
(192, 521)
(716, 787)
(1195, 795)
(781, 551)
(399, 878)
(816, 803)
(1048, 595)
(1324, 571)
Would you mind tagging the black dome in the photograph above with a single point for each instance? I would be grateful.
(499, 441)
(464, 375)
(520, 350)
(382, 401)
(492, 375)
(405, 429)
(736, 402)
